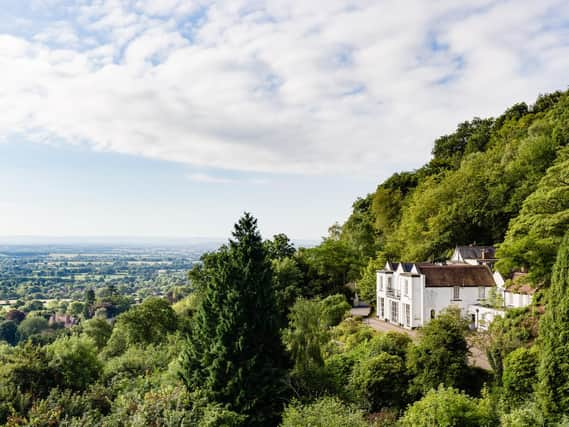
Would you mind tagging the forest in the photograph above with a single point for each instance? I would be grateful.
(264, 337)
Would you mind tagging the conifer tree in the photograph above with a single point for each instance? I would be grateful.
(553, 373)
(234, 353)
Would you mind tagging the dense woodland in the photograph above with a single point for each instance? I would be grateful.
(264, 337)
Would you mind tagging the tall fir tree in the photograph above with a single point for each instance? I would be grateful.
(553, 373)
(234, 352)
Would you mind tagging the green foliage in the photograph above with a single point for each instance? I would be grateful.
(75, 361)
(288, 284)
(306, 335)
(359, 231)
(234, 352)
(519, 378)
(99, 330)
(517, 328)
(280, 247)
(334, 309)
(472, 190)
(9, 332)
(447, 407)
(528, 415)
(187, 306)
(366, 286)
(441, 355)
(325, 412)
(28, 370)
(31, 326)
(553, 388)
(330, 266)
(379, 382)
(534, 236)
(147, 323)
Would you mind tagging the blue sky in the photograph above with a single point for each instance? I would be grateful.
(170, 118)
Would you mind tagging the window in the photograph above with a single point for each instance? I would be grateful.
(481, 292)
(381, 283)
(405, 287)
(456, 293)
(433, 313)
(407, 314)
(389, 283)
(394, 312)
(382, 308)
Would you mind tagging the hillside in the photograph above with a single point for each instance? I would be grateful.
(495, 181)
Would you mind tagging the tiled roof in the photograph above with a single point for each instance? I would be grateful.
(477, 252)
(456, 275)
(525, 289)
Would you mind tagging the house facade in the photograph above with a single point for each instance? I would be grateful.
(410, 295)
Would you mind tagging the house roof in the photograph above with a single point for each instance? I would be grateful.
(392, 265)
(407, 266)
(477, 252)
(524, 289)
(437, 275)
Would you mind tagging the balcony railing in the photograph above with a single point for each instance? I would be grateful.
(393, 293)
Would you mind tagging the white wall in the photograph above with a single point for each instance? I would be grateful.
(440, 298)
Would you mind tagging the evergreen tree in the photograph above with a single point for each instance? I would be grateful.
(234, 353)
(553, 387)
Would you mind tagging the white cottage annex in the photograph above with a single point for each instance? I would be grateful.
(410, 295)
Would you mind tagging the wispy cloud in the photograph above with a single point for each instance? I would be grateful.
(212, 179)
(276, 86)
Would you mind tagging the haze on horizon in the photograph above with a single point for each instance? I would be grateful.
(144, 118)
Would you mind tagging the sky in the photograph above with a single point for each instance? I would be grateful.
(171, 118)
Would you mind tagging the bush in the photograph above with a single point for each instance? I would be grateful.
(326, 412)
(31, 326)
(520, 375)
(447, 407)
(379, 382)
(75, 361)
(334, 309)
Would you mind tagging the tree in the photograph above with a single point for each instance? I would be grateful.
(306, 335)
(89, 302)
(280, 247)
(366, 286)
(234, 352)
(379, 382)
(325, 412)
(75, 361)
(519, 376)
(31, 326)
(447, 407)
(288, 283)
(9, 332)
(553, 375)
(147, 323)
(99, 330)
(535, 235)
(334, 309)
(15, 315)
(441, 355)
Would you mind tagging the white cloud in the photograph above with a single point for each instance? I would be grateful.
(279, 86)
(212, 179)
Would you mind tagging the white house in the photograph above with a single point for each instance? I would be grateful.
(412, 294)
(514, 293)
